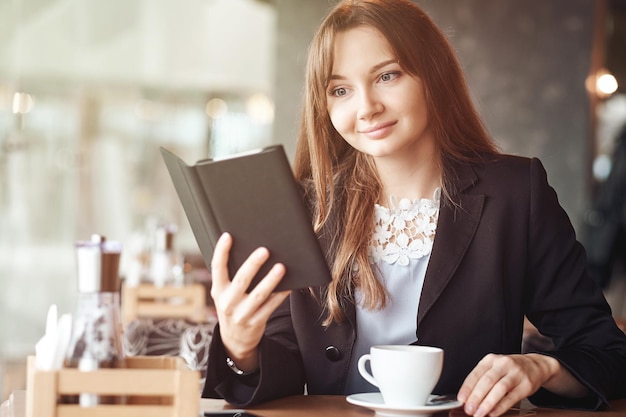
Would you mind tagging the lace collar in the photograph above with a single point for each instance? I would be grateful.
(405, 230)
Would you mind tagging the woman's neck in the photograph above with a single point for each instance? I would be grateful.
(409, 178)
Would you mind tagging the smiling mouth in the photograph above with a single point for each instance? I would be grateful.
(378, 130)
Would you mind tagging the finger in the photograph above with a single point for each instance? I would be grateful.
(269, 306)
(248, 270)
(479, 398)
(474, 376)
(479, 383)
(229, 301)
(266, 286)
(506, 402)
(219, 264)
(491, 402)
(250, 311)
(516, 385)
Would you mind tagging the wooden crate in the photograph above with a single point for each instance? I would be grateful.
(148, 300)
(152, 386)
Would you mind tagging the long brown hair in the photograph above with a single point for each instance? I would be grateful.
(343, 181)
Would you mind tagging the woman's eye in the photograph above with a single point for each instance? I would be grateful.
(388, 76)
(338, 92)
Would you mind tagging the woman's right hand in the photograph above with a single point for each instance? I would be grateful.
(243, 316)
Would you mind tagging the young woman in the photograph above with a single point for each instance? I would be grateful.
(432, 235)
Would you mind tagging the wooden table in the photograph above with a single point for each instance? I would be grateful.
(337, 406)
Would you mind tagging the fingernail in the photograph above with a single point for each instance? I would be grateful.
(469, 409)
(480, 413)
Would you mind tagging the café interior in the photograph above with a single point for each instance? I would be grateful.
(90, 90)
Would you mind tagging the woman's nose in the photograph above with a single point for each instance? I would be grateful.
(369, 105)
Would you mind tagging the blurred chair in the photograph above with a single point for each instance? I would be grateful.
(171, 337)
(168, 321)
(604, 227)
(149, 301)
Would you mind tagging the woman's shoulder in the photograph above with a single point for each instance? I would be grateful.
(504, 161)
(508, 172)
(511, 166)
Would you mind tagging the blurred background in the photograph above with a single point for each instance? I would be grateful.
(90, 89)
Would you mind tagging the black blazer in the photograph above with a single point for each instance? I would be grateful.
(506, 250)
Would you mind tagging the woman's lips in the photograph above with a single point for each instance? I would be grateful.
(378, 130)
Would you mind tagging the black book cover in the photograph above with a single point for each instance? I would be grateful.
(254, 197)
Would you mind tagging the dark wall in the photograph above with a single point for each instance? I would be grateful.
(526, 64)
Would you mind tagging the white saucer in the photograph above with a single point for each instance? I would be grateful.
(374, 401)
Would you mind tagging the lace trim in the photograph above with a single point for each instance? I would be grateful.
(404, 231)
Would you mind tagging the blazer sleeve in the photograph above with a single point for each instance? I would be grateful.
(281, 372)
(565, 304)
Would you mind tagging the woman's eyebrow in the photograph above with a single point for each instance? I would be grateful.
(372, 70)
(383, 64)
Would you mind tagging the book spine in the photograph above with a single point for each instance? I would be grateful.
(203, 210)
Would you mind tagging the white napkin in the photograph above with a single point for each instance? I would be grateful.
(64, 334)
(51, 348)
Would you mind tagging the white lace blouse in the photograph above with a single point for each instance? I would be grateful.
(399, 251)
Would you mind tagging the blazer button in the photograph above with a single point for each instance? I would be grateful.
(333, 353)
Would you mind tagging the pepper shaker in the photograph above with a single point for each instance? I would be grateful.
(97, 329)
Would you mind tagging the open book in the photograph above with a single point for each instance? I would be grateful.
(254, 197)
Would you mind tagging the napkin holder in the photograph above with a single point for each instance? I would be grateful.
(155, 386)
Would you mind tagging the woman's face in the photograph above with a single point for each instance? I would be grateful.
(376, 106)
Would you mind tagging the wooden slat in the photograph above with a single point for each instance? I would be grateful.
(71, 410)
(182, 407)
(152, 309)
(148, 300)
(156, 362)
(41, 387)
(151, 291)
(117, 382)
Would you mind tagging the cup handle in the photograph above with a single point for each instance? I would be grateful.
(363, 371)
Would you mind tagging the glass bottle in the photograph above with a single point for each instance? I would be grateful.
(97, 328)
(165, 262)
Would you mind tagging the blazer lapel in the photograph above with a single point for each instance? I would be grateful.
(455, 228)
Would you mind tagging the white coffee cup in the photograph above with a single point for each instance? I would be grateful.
(405, 375)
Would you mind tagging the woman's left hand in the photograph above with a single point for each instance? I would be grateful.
(498, 382)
